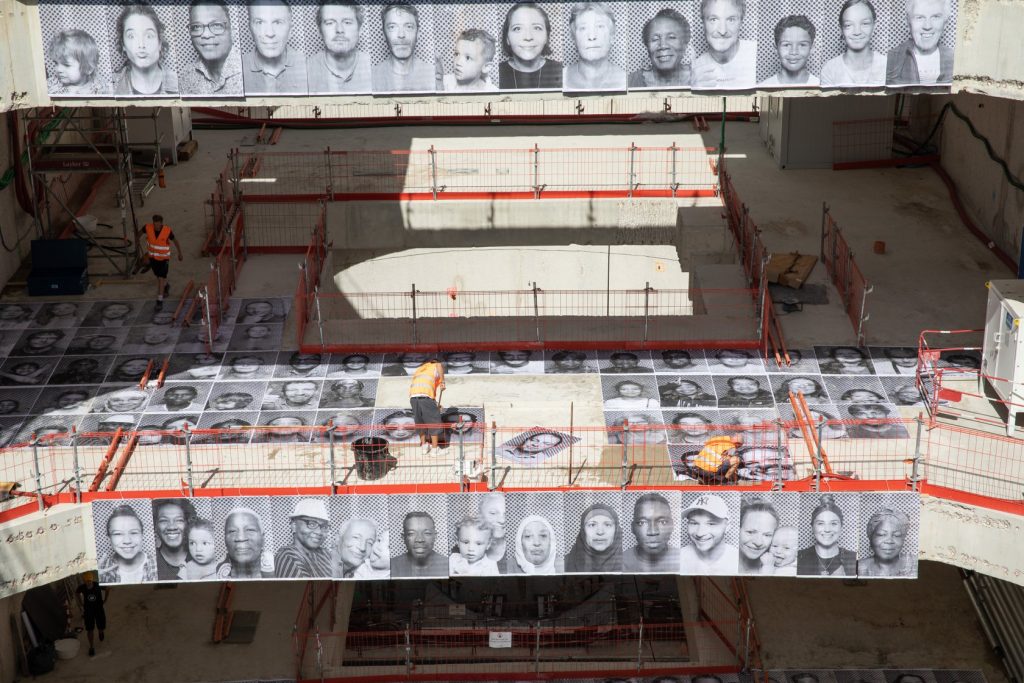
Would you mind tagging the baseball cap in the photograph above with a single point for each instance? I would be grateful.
(312, 508)
(713, 505)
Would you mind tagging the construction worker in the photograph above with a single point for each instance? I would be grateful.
(425, 397)
(158, 253)
(717, 462)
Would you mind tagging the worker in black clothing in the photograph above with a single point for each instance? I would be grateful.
(91, 598)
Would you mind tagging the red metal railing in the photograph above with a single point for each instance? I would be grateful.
(844, 272)
(532, 318)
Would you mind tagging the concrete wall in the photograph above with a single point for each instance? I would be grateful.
(992, 202)
(44, 547)
(16, 226)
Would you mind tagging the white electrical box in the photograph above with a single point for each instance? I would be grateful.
(1002, 358)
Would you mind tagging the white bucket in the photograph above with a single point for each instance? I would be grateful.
(67, 648)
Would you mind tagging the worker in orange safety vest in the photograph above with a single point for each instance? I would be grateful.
(425, 397)
(158, 254)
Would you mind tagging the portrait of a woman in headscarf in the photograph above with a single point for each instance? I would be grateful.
(536, 548)
(598, 546)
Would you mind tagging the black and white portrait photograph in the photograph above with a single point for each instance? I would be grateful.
(894, 360)
(60, 314)
(209, 59)
(517, 362)
(788, 55)
(303, 535)
(479, 530)
(258, 337)
(150, 316)
(768, 533)
(295, 394)
(397, 425)
(363, 547)
(855, 389)
(567, 362)
(635, 428)
(182, 555)
(828, 535)
(596, 50)
(753, 425)
(661, 46)
(801, 362)
(853, 42)
(356, 365)
(15, 316)
(237, 424)
(54, 429)
(349, 425)
(651, 545)
(298, 365)
(811, 386)
(92, 341)
(131, 368)
(285, 426)
(890, 534)
(710, 523)
(593, 532)
(103, 426)
(744, 391)
(153, 341)
(691, 427)
(624, 392)
(340, 62)
(179, 397)
(735, 362)
(909, 676)
(236, 396)
(77, 49)
(115, 398)
(537, 545)
(27, 372)
(765, 462)
(79, 370)
(241, 366)
(125, 551)
(142, 50)
(7, 340)
(826, 416)
(808, 676)
(680, 361)
(960, 363)
(402, 364)
(903, 391)
(844, 360)
(272, 46)
(464, 424)
(726, 45)
(160, 429)
(535, 446)
(926, 31)
(347, 393)
(195, 339)
(111, 314)
(244, 538)
(41, 342)
(254, 311)
(626, 362)
(70, 400)
(532, 39)
(194, 366)
(468, 47)
(420, 528)
(11, 431)
(20, 401)
(687, 391)
(465, 363)
(874, 421)
(402, 44)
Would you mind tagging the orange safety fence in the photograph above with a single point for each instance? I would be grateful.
(844, 273)
(958, 463)
(535, 318)
(754, 257)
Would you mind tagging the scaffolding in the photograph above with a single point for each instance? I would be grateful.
(95, 142)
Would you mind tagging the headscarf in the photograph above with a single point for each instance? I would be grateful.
(583, 558)
(548, 567)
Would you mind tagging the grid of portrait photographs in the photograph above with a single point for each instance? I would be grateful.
(354, 537)
(235, 49)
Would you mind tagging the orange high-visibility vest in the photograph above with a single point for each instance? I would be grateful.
(425, 381)
(159, 245)
(710, 457)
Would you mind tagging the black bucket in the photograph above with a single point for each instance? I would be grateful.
(373, 460)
